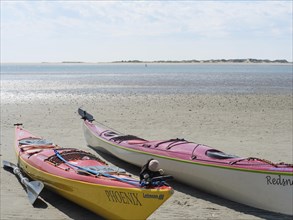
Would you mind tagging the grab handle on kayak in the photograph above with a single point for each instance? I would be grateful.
(193, 156)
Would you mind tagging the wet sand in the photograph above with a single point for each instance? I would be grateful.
(244, 125)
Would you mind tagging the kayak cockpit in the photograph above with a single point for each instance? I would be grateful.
(72, 154)
(216, 154)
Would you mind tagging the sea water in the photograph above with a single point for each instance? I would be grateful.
(141, 78)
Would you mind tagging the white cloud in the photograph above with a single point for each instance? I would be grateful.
(165, 17)
(140, 23)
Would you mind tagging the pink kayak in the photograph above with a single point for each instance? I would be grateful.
(252, 181)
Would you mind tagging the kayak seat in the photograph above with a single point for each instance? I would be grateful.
(216, 154)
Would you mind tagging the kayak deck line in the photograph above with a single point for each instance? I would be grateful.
(199, 161)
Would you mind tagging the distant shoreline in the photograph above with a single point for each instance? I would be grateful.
(249, 60)
(211, 61)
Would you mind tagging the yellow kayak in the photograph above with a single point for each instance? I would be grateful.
(85, 179)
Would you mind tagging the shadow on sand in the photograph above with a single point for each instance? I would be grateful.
(72, 210)
(197, 193)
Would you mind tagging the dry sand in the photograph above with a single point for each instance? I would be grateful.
(244, 125)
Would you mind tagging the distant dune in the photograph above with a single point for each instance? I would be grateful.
(249, 60)
(236, 61)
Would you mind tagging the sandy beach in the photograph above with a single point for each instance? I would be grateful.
(244, 125)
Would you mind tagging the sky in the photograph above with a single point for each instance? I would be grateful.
(105, 31)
